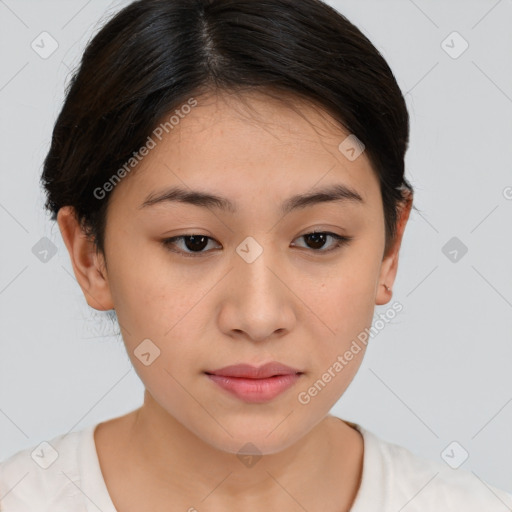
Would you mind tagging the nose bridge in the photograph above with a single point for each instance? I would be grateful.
(259, 305)
(252, 267)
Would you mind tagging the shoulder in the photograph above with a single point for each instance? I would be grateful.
(44, 474)
(401, 479)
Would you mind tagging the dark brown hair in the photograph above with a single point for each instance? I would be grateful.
(154, 55)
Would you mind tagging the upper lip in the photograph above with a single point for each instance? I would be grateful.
(255, 372)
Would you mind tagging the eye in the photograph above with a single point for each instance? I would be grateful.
(194, 244)
(318, 238)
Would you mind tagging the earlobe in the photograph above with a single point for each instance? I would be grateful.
(88, 265)
(384, 291)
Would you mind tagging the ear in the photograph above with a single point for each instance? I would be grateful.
(389, 264)
(89, 266)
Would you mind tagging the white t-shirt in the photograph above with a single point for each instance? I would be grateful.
(393, 479)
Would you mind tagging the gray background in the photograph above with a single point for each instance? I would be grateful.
(440, 372)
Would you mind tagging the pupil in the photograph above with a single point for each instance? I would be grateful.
(316, 237)
(198, 242)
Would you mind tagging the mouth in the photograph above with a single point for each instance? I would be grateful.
(255, 384)
(248, 371)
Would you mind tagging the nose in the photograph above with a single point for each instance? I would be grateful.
(257, 301)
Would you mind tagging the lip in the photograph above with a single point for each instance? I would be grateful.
(255, 372)
(255, 384)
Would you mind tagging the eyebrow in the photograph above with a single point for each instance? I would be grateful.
(337, 192)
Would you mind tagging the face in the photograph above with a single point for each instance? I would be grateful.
(253, 284)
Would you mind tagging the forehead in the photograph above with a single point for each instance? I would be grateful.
(238, 146)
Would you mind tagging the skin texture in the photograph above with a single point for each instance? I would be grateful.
(294, 304)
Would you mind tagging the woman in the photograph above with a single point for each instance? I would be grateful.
(228, 177)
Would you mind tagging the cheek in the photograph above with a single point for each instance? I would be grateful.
(338, 352)
(345, 300)
(345, 303)
(346, 306)
(139, 280)
(155, 301)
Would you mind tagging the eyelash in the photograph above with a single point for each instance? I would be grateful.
(340, 242)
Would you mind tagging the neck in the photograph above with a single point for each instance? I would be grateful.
(326, 464)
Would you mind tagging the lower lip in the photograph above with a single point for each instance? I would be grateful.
(255, 390)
